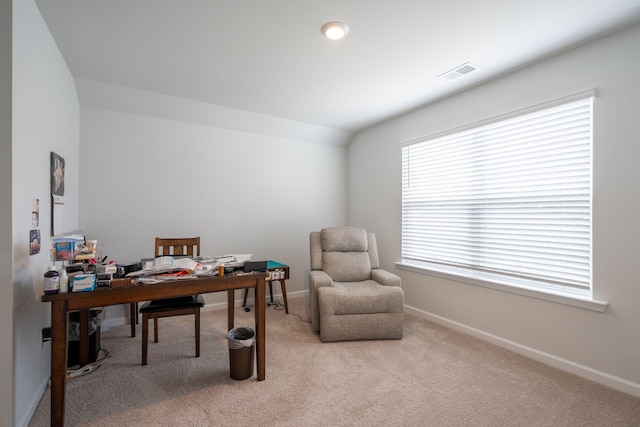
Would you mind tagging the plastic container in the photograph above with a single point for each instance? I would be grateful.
(242, 343)
(51, 281)
(64, 280)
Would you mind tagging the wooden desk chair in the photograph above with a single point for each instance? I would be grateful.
(172, 306)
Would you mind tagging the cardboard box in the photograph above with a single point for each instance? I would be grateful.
(106, 269)
(82, 282)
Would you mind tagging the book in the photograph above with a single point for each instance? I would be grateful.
(64, 250)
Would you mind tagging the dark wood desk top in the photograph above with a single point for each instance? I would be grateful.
(142, 292)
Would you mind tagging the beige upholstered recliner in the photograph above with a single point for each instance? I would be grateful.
(351, 297)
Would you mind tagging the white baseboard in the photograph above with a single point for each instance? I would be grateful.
(33, 405)
(583, 371)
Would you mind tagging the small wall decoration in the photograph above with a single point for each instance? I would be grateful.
(34, 242)
(35, 213)
(34, 233)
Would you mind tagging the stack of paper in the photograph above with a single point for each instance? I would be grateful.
(167, 264)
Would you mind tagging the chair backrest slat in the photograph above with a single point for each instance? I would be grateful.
(183, 246)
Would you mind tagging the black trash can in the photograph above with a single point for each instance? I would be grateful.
(96, 316)
(242, 343)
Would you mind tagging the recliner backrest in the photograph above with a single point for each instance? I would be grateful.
(347, 254)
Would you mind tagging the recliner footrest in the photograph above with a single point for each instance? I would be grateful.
(366, 297)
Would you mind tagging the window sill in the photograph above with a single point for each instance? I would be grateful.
(558, 296)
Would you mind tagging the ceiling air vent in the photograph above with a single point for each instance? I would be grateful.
(460, 71)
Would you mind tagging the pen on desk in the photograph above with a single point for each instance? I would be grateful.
(103, 259)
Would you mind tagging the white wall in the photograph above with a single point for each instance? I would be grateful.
(6, 289)
(604, 346)
(45, 118)
(144, 176)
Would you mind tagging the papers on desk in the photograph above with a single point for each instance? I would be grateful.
(170, 268)
(150, 280)
(232, 260)
(236, 260)
(166, 264)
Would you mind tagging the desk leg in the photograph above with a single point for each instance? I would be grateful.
(83, 344)
(59, 331)
(260, 326)
(133, 317)
(231, 294)
(283, 288)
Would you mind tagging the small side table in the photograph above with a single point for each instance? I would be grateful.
(280, 273)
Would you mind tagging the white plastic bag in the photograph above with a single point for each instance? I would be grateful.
(241, 337)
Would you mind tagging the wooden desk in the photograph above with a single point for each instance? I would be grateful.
(62, 304)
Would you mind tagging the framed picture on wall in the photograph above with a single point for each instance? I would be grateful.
(34, 242)
(57, 193)
(35, 213)
(57, 175)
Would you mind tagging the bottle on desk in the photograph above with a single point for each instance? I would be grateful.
(51, 281)
(64, 280)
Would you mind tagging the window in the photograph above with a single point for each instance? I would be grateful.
(505, 201)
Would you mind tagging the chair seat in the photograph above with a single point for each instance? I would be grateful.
(169, 304)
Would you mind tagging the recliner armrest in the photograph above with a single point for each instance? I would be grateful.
(317, 279)
(385, 278)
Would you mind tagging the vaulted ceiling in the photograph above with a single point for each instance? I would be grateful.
(269, 57)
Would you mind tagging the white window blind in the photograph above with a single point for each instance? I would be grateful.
(508, 200)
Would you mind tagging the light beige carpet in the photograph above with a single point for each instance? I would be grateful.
(432, 377)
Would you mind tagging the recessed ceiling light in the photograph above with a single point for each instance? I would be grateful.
(335, 30)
